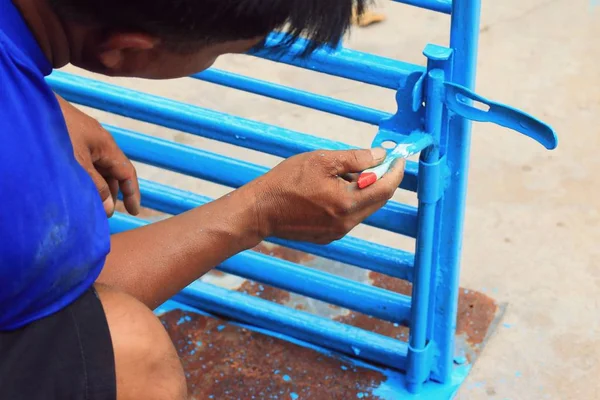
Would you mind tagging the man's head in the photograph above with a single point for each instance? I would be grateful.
(172, 38)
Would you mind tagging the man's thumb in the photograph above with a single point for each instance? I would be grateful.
(359, 160)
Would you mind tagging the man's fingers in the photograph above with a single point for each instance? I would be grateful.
(350, 177)
(370, 210)
(103, 190)
(131, 195)
(349, 161)
(383, 189)
(113, 185)
(116, 165)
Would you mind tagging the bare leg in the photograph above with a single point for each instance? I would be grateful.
(147, 365)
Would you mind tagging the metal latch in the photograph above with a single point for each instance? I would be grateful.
(458, 100)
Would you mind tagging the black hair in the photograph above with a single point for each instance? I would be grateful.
(195, 22)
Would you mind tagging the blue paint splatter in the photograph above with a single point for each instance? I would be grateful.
(287, 378)
(507, 325)
(344, 368)
(185, 318)
(276, 371)
(518, 374)
(198, 343)
(192, 352)
(294, 395)
(360, 395)
(356, 350)
(220, 327)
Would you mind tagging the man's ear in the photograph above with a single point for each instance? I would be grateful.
(116, 47)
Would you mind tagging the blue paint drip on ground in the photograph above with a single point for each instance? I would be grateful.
(220, 327)
(185, 318)
(294, 395)
(287, 378)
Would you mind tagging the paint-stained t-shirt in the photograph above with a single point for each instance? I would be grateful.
(54, 235)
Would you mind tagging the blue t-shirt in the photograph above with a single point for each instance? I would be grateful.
(54, 234)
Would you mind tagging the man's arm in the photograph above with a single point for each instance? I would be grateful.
(303, 199)
(154, 262)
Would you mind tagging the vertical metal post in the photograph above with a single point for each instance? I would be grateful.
(447, 252)
(429, 193)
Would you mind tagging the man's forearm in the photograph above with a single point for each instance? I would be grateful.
(155, 262)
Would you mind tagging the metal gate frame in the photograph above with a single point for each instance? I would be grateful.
(436, 102)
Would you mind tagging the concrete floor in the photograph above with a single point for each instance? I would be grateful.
(533, 217)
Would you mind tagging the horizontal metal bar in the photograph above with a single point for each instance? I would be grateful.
(349, 250)
(395, 217)
(295, 96)
(443, 6)
(297, 324)
(345, 63)
(196, 120)
(377, 302)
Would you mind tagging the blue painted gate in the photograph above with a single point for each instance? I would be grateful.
(436, 101)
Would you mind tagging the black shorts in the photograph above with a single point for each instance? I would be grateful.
(66, 356)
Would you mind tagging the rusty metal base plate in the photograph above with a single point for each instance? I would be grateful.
(225, 360)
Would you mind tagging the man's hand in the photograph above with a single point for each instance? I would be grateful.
(97, 152)
(314, 196)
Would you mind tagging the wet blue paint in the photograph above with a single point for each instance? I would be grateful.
(293, 396)
(287, 378)
(220, 327)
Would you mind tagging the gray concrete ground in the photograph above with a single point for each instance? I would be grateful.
(533, 217)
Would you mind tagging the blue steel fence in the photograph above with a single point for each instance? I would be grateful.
(436, 100)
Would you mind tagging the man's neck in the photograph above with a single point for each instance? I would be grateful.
(48, 30)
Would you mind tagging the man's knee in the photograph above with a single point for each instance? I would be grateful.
(147, 364)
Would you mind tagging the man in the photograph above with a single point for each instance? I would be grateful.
(76, 319)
